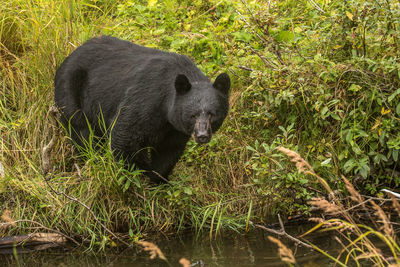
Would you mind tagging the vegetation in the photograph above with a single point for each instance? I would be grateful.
(319, 77)
(371, 241)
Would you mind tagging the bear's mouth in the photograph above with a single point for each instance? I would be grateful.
(202, 129)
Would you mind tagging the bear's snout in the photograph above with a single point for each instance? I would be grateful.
(202, 129)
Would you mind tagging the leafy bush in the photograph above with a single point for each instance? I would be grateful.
(331, 72)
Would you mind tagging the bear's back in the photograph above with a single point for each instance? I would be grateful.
(149, 59)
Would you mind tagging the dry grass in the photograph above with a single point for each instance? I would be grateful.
(355, 196)
(155, 252)
(284, 252)
(184, 262)
(387, 227)
(6, 219)
(301, 164)
(355, 235)
(152, 249)
(396, 204)
(325, 205)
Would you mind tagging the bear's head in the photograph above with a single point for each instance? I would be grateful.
(199, 106)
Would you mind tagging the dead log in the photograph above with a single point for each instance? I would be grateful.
(31, 240)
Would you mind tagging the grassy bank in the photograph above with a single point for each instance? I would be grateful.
(207, 191)
(322, 80)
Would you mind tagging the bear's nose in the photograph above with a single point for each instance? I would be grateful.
(202, 139)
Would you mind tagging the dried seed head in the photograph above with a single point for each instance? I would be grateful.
(395, 204)
(6, 219)
(152, 249)
(184, 262)
(285, 253)
(355, 196)
(387, 228)
(324, 205)
(301, 164)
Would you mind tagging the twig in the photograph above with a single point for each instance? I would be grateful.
(2, 174)
(316, 6)
(275, 50)
(264, 59)
(377, 198)
(46, 163)
(238, 76)
(281, 223)
(282, 232)
(78, 170)
(245, 68)
(87, 208)
(160, 176)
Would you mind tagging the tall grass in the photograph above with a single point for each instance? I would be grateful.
(87, 195)
(371, 241)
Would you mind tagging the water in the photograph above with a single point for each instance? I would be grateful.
(229, 249)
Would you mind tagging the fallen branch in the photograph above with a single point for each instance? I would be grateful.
(32, 239)
(41, 226)
(282, 232)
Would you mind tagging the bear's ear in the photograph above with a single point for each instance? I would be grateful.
(222, 83)
(182, 84)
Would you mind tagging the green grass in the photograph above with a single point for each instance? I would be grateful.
(36, 37)
(321, 83)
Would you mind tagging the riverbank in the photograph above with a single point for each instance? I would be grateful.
(320, 80)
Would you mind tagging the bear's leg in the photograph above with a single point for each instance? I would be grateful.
(70, 85)
(167, 154)
(78, 128)
(126, 148)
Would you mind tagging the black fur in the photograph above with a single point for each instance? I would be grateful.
(155, 99)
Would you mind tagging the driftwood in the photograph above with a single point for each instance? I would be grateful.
(32, 240)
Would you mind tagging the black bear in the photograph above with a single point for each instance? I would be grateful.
(150, 101)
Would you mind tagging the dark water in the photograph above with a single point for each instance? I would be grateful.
(229, 249)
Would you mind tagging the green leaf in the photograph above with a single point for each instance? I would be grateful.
(364, 171)
(136, 182)
(126, 186)
(187, 191)
(349, 137)
(395, 154)
(392, 96)
(362, 133)
(324, 111)
(335, 116)
(326, 162)
(131, 232)
(349, 165)
(303, 181)
(250, 148)
(398, 109)
(285, 36)
(354, 88)
(356, 149)
(242, 36)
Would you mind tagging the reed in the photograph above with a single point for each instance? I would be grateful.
(358, 238)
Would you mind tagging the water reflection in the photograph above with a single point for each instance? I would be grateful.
(229, 249)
